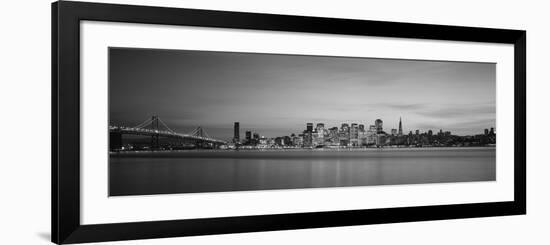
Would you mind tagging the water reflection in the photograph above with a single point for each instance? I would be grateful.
(188, 172)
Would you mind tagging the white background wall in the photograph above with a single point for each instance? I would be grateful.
(25, 120)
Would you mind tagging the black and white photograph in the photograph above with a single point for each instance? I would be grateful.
(194, 121)
(275, 122)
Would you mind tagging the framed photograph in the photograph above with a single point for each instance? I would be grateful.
(176, 122)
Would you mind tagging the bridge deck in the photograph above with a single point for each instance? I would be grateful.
(162, 133)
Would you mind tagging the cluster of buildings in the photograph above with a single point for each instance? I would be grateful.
(357, 135)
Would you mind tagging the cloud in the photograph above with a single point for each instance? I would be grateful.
(416, 106)
(392, 106)
(458, 110)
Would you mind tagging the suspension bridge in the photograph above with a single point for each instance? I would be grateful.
(155, 128)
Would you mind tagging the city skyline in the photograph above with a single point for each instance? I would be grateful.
(239, 132)
(316, 135)
(277, 94)
(400, 130)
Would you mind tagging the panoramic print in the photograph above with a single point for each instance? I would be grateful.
(184, 121)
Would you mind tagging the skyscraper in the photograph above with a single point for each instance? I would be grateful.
(309, 127)
(236, 133)
(378, 123)
(248, 135)
(354, 134)
(345, 129)
(255, 138)
(333, 135)
(308, 135)
(400, 127)
(371, 135)
(320, 126)
(343, 135)
(320, 134)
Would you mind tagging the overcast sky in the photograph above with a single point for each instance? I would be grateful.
(277, 95)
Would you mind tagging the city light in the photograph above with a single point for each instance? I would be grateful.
(314, 136)
(356, 135)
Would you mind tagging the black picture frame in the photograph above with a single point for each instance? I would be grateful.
(65, 167)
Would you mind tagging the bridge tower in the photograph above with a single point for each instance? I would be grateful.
(199, 132)
(155, 138)
(115, 140)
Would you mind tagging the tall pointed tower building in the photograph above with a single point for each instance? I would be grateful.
(400, 127)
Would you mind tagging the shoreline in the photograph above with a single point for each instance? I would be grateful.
(387, 149)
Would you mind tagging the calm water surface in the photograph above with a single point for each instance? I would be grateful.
(208, 171)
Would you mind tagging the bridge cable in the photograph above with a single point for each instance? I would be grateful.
(205, 134)
(166, 126)
(193, 132)
(143, 124)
